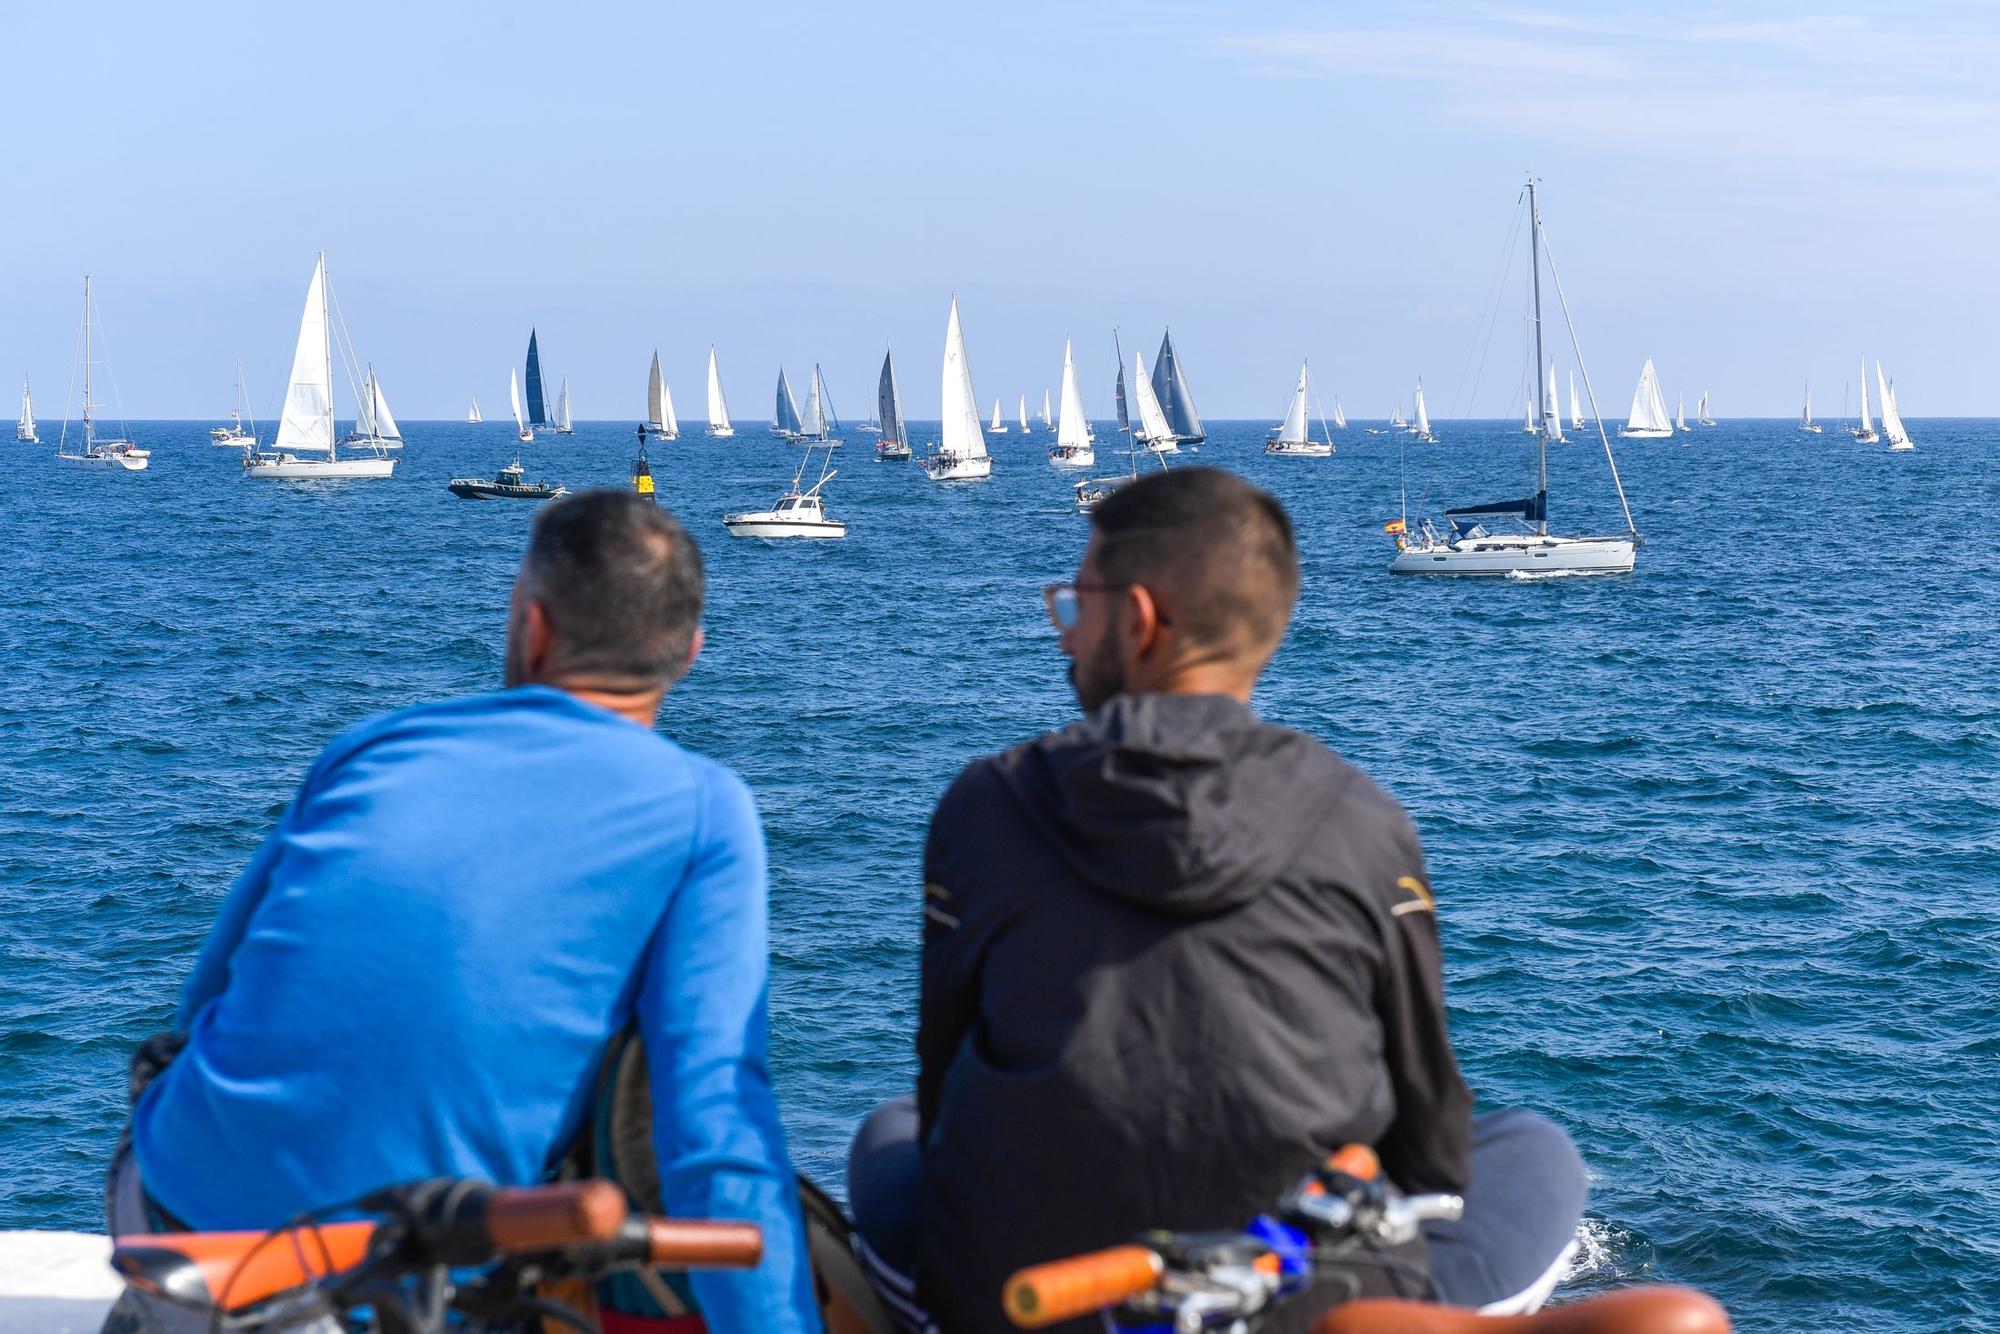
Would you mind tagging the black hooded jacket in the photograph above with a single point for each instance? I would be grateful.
(1173, 956)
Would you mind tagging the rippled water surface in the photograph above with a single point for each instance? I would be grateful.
(1715, 844)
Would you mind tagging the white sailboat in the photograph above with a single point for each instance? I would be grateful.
(305, 431)
(1681, 414)
(998, 426)
(562, 424)
(1806, 423)
(1575, 407)
(818, 423)
(1475, 542)
(374, 425)
(472, 416)
(1024, 414)
(660, 420)
(1892, 414)
(1701, 417)
(120, 453)
(961, 453)
(1339, 415)
(1865, 432)
(1552, 415)
(522, 431)
(718, 407)
(1048, 422)
(1093, 491)
(1073, 448)
(1422, 429)
(1648, 420)
(1293, 438)
(1528, 426)
(1397, 420)
(24, 429)
(797, 513)
(1155, 431)
(233, 436)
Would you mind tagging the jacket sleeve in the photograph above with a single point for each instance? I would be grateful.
(701, 1006)
(949, 996)
(1428, 1144)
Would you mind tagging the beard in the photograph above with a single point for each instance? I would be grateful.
(1097, 678)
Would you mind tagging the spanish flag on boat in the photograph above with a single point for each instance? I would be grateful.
(1394, 526)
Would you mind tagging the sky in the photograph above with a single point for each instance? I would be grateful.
(1752, 194)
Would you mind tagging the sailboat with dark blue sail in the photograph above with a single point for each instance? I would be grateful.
(895, 441)
(538, 415)
(1170, 386)
(785, 416)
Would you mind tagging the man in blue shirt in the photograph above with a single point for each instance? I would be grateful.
(419, 972)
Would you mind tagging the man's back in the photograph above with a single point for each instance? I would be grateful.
(1165, 973)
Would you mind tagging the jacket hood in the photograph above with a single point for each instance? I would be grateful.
(1184, 803)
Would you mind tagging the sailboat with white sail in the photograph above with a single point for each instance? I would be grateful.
(961, 453)
(1528, 426)
(1701, 417)
(1093, 491)
(562, 424)
(472, 417)
(1396, 420)
(785, 416)
(1892, 414)
(1073, 447)
(1575, 407)
(233, 436)
(522, 431)
(1170, 387)
(1552, 416)
(1293, 438)
(1421, 431)
(119, 453)
(1648, 419)
(24, 426)
(1339, 415)
(797, 513)
(1681, 414)
(374, 425)
(818, 423)
(1155, 431)
(895, 441)
(1048, 422)
(1512, 537)
(718, 406)
(998, 426)
(305, 446)
(1806, 423)
(660, 419)
(1024, 414)
(1865, 432)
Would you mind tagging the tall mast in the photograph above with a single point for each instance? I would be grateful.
(1541, 436)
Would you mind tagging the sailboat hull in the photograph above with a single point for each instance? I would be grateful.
(1645, 433)
(1299, 449)
(1073, 456)
(951, 468)
(129, 460)
(721, 431)
(1518, 556)
(887, 450)
(288, 467)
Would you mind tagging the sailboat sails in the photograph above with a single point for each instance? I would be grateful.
(718, 407)
(24, 429)
(514, 399)
(889, 406)
(1170, 389)
(374, 421)
(1047, 420)
(306, 426)
(1575, 405)
(1805, 413)
(961, 435)
(1073, 428)
(1423, 416)
(1648, 418)
(812, 426)
(660, 403)
(472, 416)
(785, 417)
(1552, 415)
(562, 423)
(1118, 392)
(1892, 413)
(1024, 414)
(997, 425)
(1339, 415)
(1681, 413)
(1154, 428)
(537, 410)
(1292, 431)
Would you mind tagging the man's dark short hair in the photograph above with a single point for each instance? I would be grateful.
(621, 583)
(1218, 553)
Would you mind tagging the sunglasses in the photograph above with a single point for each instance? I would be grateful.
(1063, 604)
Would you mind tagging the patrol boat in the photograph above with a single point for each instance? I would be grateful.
(510, 483)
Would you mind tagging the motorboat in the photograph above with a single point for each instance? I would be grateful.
(510, 483)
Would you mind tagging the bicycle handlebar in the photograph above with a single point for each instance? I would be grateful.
(1047, 1294)
(679, 1244)
(525, 1219)
(1648, 1310)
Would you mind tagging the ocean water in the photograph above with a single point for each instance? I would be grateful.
(1715, 844)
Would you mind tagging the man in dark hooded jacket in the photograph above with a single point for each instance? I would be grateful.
(1174, 956)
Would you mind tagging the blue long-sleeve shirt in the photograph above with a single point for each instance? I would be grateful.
(419, 972)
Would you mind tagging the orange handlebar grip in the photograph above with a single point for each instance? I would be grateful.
(687, 1244)
(548, 1218)
(1357, 1160)
(1064, 1289)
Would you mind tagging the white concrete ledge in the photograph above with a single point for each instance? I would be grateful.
(55, 1282)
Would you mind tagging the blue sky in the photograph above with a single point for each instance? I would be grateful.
(1751, 194)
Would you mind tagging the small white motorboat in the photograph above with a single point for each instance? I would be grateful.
(797, 513)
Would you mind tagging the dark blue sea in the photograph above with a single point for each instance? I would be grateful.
(1715, 844)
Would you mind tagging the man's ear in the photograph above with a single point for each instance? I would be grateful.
(1142, 620)
(538, 640)
(694, 651)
